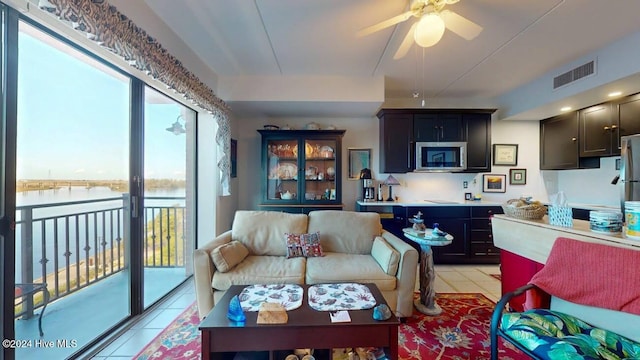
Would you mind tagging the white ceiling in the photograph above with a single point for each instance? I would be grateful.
(283, 41)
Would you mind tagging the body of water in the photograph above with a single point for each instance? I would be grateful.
(72, 225)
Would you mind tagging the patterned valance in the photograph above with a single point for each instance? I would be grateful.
(105, 25)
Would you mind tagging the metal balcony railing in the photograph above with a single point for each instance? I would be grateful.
(78, 243)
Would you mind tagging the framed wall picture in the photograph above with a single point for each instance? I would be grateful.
(494, 183)
(517, 176)
(505, 154)
(358, 160)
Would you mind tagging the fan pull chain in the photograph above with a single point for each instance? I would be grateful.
(424, 85)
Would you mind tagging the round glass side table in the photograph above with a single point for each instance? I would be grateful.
(426, 304)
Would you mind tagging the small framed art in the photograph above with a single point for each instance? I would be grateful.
(494, 183)
(505, 154)
(358, 159)
(517, 176)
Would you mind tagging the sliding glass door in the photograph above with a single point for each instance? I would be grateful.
(98, 193)
(169, 201)
(72, 171)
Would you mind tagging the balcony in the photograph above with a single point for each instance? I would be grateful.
(79, 249)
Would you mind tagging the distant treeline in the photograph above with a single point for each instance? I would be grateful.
(116, 185)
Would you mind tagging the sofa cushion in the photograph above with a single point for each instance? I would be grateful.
(552, 335)
(255, 270)
(625, 324)
(339, 267)
(228, 255)
(345, 231)
(385, 255)
(262, 231)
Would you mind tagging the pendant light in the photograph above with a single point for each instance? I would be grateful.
(176, 128)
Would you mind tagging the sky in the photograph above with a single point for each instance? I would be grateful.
(73, 120)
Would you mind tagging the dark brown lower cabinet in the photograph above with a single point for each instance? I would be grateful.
(470, 227)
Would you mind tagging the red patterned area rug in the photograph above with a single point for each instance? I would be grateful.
(179, 340)
(460, 332)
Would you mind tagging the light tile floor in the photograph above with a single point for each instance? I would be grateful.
(449, 279)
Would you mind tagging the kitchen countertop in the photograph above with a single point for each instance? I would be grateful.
(433, 202)
(592, 207)
(534, 239)
(436, 202)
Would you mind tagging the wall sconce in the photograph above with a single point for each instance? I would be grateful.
(390, 181)
(177, 128)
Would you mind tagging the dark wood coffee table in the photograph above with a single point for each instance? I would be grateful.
(306, 328)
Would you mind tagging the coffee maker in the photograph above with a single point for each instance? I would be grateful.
(367, 190)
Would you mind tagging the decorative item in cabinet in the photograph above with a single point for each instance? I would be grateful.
(301, 167)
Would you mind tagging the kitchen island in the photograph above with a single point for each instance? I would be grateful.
(533, 239)
(525, 245)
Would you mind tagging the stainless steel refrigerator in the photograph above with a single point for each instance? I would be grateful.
(629, 169)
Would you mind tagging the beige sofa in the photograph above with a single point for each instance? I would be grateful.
(355, 247)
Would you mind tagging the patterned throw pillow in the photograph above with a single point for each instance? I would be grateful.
(311, 244)
(307, 245)
(294, 245)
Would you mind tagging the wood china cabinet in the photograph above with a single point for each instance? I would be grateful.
(301, 170)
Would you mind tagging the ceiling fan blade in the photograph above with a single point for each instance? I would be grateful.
(406, 43)
(385, 24)
(460, 25)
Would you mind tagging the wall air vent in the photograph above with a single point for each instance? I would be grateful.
(574, 74)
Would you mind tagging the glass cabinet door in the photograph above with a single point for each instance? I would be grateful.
(319, 170)
(282, 165)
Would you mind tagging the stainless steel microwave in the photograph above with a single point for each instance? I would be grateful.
(441, 156)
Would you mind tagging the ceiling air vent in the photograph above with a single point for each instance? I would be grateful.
(574, 74)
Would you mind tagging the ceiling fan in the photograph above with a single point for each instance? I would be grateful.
(428, 30)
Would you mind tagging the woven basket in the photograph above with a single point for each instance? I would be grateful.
(527, 212)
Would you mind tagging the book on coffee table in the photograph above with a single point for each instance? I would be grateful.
(340, 316)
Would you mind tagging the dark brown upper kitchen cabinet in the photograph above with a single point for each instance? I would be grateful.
(478, 135)
(559, 144)
(400, 129)
(438, 127)
(599, 132)
(396, 131)
(628, 113)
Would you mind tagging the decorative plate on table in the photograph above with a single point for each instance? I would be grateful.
(289, 296)
(343, 296)
(412, 231)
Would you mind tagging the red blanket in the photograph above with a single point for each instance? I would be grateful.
(592, 274)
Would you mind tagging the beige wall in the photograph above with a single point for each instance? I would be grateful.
(364, 133)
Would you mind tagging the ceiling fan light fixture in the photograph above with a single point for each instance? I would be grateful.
(429, 30)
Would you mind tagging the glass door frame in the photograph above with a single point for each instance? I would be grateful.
(9, 30)
(8, 125)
